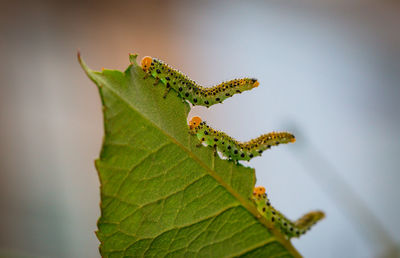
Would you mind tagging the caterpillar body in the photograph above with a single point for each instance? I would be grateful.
(190, 90)
(233, 149)
(287, 227)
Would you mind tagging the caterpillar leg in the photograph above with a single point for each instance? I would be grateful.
(233, 160)
(157, 81)
(182, 98)
(146, 76)
(166, 92)
(199, 144)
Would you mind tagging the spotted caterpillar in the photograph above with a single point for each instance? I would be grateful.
(190, 90)
(233, 149)
(288, 228)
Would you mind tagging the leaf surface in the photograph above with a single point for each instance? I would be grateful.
(160, 194)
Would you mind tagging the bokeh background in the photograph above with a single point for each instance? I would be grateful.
(329, 73)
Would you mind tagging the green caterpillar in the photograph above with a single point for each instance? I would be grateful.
(233, 149)
(190, 90)
(288, 228)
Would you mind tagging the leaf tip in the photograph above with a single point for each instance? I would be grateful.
(81, 62)
(78, 53)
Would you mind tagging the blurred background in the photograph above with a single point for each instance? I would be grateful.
(329, 73)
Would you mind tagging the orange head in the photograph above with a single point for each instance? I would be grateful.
(293, 139)
(146, 62)
(255, 82)
(259, 190)
(194, 122)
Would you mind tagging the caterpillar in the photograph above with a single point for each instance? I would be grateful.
(190, 90)
(233, 149)
(288, 228)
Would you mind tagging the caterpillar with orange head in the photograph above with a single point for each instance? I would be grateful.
(190, 90)
(287, 227)
(233, 149)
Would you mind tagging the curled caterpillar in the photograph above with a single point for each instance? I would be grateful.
(287, 227)
(190, 90)
(233, 149)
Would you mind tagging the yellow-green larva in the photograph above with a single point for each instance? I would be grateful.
(190, 90)
(233, 149)
(287, 227)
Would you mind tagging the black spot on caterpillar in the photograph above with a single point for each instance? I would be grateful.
(234, 149)
(287, 227)
(190, 90)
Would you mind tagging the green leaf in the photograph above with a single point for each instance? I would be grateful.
(160, 194)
